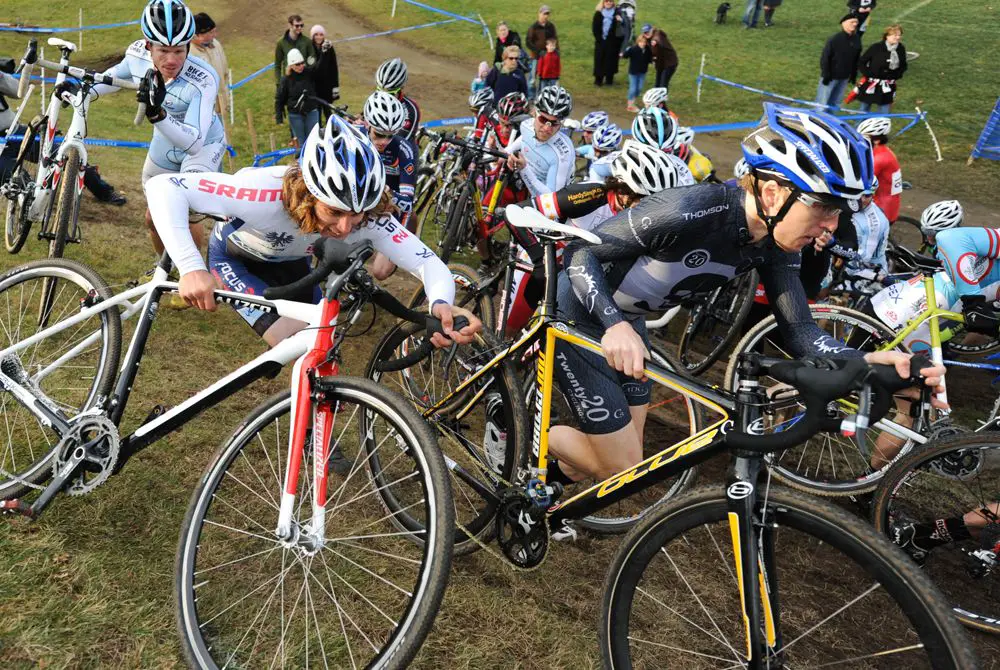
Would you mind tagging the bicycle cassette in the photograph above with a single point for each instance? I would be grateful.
(98, 437)
(523, 539)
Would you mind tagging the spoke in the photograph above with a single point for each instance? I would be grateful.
(269, 550)
(840, 609)
(270, 540)
(278, 578)
(270, 503)
(688, 620)
(373, 574)
(381, 553)
(686, 651)
(898, 650)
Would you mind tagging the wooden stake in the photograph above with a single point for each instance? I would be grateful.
(253, 133)
(270, 136)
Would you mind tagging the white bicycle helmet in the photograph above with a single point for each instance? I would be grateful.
(685, 135)
(741, 169)
(607, 138)
(656, 128)
(554, 101)
(168, 23)
(481, 98)
(391, 75)
(942, 216)
(644, 169)
(877, 125)
(342, 168)
(384, 112)
(655, 96)
(593, 120)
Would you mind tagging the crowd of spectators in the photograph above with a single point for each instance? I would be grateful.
(307, 78)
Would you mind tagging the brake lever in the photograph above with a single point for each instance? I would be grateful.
(856, 425)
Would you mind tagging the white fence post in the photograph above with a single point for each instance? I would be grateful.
(937, 147)
(393, 9)
(232, 113)
(701, 72)
(41, 74)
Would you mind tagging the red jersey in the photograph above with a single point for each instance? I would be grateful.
(890, 181)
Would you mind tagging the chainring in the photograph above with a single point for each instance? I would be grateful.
(100, 460)
(523, 540)
(943, 428)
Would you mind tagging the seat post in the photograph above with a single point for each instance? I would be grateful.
(551, 276)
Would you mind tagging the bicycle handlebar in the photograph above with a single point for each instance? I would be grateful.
(471, 146)
(820, 381)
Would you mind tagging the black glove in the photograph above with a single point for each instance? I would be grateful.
(152, 91)
(980, 316)
(826, 82)
(66, 87)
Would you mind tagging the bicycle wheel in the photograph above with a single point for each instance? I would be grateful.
(456, 228)
(829, 465)
(712, 327)
(671, 598)
(955, 479)
(467, 295)
(905, 231)
(17, 225)
(67, 208)
(480, 431)
(424, 192)
(73, 368)
(366, 597)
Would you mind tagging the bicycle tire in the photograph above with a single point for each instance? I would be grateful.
(456, 225)
(914, 489)
(461, 443)
(424, 591)
(17, 225)
(855, 477)
(35, 468)
(67, 208)
(826, 529)
(480, 304)
(701, 319)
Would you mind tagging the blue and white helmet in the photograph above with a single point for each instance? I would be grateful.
(813, 151)
(741, 169)
(607, 138)
(655, 127)
(593, 120)
(342, 168)
(168, 23)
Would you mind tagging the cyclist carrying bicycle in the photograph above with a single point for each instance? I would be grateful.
(391, 77)
(542, 155)
(679, 244)
(275, 215)
(179, 95)
(655, 127)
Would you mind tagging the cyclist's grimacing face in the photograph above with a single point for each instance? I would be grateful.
(336, 223)
(168, 60)
(803, 224)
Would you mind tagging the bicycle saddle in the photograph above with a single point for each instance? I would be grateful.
(523, 217)
(62, 44)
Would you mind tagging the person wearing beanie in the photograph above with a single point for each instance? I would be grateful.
(206, 47)
(297, 94)
(479, 82)
(326, 75)
(838, 63)
(293, 39)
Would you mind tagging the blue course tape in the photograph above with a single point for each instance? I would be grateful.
(26, 29)
(441, 11)
(96, 142)
(35, 77)
(253, 76)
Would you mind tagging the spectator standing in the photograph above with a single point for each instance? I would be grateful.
(296, 92)
(539, 33)
(326, 74)
(505, 38)
(863, 10)
(752, 13)
(293, 39)
(627, 8)
(549, 66)
(664, 55)
(769, 7)
(479, 82)
(882, 65)
(639, 55)
(507, 77)
(608, 27)
(838, 63)
(206, 47)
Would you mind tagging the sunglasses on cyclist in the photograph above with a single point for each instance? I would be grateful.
(546, 121)
(379, 135)
(825, 206)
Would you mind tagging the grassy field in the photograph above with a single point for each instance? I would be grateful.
(90, 585)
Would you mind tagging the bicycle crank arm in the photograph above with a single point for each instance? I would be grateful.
(55, 486)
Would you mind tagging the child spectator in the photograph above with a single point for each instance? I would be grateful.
(479, 82)
(297, 92)
(639, 55)
(548, 65)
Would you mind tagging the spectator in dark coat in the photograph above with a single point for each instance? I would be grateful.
(507, 78)
(664, 55)
(882, 65)
(769, 7)
(609, 29)
(326, 75)
(540, 32)
(505, 38)
(863, 10)
(839, 62)
(293, 39)
(296, 92)
(639, 56)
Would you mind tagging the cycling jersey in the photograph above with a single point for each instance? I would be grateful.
(679, 244)
(600, 167)
(412, 123)
(258, 229)
(872, 229)
(550, 164)
(685, 178)
(890, 181)
(400, 160)
(191, 127)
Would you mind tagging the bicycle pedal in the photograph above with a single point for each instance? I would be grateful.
(17, 506)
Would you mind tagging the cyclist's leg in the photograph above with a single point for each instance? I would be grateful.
(150, 169)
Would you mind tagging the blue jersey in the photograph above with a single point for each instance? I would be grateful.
(873, 234)
(400, 161)
(550, 164)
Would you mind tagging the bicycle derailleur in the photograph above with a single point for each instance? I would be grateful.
(521, 527)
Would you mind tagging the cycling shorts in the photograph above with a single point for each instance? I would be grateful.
(599, 395)
(243, 275)
(165, 158)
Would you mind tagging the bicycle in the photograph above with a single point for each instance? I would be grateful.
(756, 615)
(266, 506)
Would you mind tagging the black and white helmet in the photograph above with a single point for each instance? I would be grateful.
(391, 75)
(655, 96)
(877, 125)
(383, 111)
(342, 168)
(168, 23)
(741, 169)
(554, 101)
(941, 216)
(607, 138)
(655, 127)
(481, 98)
(644, 169)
